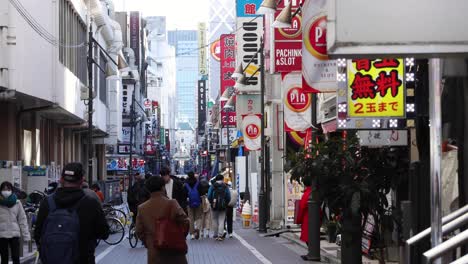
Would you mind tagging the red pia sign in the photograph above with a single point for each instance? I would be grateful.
(228, 66)
(253, 131)
(288, 42)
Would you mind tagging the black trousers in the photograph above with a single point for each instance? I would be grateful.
(14, 245)
(229, 217)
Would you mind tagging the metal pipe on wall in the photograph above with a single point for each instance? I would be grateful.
(435, 114)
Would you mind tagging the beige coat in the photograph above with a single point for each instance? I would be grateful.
(148, 213)
(13, 222)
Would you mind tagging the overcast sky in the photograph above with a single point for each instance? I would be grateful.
(181, 14)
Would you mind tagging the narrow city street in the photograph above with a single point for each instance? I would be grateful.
(246, 247)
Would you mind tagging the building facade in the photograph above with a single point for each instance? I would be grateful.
(186, 47)
(43, 54)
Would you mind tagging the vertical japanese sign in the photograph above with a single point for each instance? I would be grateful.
(318, 73)
(135, 35)
(248, 37)
(246, 104)
(127, 91)
(376, 88)
(201, 105)
(228, 65)
(297, 110)
(168, 140)
(288, 41)
(251, 129)
(202, 63)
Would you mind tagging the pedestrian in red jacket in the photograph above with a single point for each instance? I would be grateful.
(303, 214)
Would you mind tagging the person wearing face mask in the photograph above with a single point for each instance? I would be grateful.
(14, 224)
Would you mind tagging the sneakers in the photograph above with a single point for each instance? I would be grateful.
(192, 237)
(224, 235)
(230, 235)
(219, 239)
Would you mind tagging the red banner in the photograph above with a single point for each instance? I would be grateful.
(228, 66)
(288, 41)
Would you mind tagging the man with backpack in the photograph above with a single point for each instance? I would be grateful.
(219, 197)
(195, 210)
(69, 222)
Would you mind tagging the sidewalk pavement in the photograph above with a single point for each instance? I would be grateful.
(28, 257)
(330, 252)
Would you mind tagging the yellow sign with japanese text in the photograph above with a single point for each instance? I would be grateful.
(376, 88)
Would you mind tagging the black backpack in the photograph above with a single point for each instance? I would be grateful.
(219, 198)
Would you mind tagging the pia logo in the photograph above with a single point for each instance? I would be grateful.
(315, 38)
(252, 131)
(297, 100)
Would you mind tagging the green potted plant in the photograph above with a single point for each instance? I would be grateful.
(352, 182)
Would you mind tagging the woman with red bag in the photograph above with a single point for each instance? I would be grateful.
(162, 225)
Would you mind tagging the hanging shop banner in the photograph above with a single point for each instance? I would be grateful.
(251, 129)
(298, 112)
(228, 135)
(149, 146)
(318, 72)
(127, 91)
(126, 135)
(376, 88)
(202, 65)
(288, 41)
(228, 65)
(135, 22)
(379, 138)
(201, 105)
(247, 104)
(121, 164)
(248, 38)
(247, 8)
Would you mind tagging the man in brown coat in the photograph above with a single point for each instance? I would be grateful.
(156, 208)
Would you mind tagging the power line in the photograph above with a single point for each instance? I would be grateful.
(41, 31)
(207, 45)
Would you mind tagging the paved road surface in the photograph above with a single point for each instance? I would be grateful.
(247, 247)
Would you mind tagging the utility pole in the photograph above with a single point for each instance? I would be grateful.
(90, 103)
(262, 194)
(313, 204)
(132, 116)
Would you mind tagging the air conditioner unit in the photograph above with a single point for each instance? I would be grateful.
(327, 110)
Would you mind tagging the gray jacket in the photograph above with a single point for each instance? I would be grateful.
(13, 222)
(233, 201)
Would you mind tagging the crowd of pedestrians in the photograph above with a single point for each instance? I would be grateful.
(71, 220)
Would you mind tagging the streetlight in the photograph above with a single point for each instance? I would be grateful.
(90, 61)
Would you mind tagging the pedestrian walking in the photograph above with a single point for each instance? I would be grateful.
(174, 188)
(162, 225)
(219, 197)
(13, 224)
(137, 194)
(97, 189)
(230, 210)
(195, 209)
(206, 209)
(70, 222)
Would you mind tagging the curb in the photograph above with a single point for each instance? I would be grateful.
(326, 257)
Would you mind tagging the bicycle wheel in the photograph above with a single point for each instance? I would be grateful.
(132, 237)
(116, 231)
(117, 213)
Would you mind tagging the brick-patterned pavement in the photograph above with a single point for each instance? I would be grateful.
(255, 249)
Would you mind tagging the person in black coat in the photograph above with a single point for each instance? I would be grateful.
(93, 224)
(174, 188)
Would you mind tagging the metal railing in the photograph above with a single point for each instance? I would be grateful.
(450, 223)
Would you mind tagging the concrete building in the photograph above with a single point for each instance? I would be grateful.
(43, 67)
(186, 46)
(162, 73)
